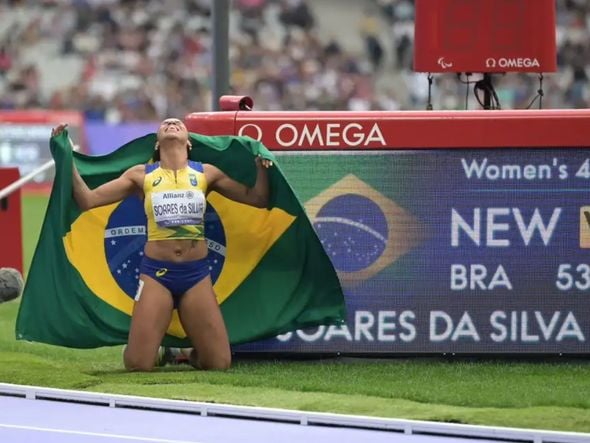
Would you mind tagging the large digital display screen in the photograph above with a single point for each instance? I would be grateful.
(450, 250)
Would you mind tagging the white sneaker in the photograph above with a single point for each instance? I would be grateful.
(173, 356)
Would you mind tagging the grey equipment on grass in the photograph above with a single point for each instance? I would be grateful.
(11, 284)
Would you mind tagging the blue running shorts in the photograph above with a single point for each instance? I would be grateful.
(176, 277)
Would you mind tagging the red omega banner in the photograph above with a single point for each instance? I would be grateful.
(485, 36)
(451, 232)
(321, 131)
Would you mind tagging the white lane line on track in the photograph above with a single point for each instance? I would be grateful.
(94, 434)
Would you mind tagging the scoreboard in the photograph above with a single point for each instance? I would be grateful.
(451, 250)
(452, 232)
(485, 36)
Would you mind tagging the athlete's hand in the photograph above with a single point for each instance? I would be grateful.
(58, 129)
(264, 162)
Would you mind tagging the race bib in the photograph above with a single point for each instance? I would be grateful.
(176, 208)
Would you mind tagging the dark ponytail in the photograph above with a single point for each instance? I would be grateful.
(156, 155)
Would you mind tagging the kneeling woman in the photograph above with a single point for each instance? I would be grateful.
(174, 272)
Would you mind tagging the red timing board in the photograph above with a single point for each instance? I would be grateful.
(485, 36)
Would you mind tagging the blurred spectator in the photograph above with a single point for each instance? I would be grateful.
(296, 13)
(370, 32)
(137, 60)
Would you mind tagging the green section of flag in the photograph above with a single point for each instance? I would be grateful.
(313, 280)
(293, 285)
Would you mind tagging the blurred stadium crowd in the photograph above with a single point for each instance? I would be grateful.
(137, 60)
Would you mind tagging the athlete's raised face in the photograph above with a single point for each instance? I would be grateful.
(172, 129)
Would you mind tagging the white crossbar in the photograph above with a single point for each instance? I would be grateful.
(5, 192)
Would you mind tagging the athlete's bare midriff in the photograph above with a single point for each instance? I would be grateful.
(176, 250)
(171, 250)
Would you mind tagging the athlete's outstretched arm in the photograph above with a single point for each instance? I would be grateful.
(107, 193)
(255, 196)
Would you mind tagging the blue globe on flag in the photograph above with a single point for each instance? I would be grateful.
(124, 239)
(216, 242)
(362, 231)
(353, 230)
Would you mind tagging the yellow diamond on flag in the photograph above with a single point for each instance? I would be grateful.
(249, 232)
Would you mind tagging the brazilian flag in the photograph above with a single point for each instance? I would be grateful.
(269, 270)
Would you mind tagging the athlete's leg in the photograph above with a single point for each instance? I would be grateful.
(202, 321)
(150, 320)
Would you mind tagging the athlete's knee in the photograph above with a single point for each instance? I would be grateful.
(219, 362)
(137, 363)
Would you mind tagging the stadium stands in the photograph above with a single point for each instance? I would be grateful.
(137, 60)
